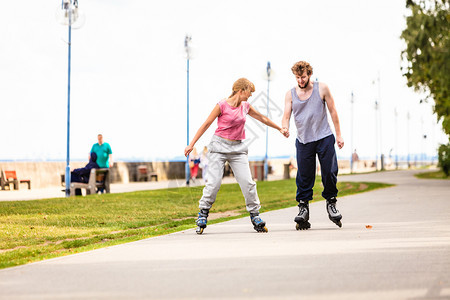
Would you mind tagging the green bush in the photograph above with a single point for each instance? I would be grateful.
(444, 158)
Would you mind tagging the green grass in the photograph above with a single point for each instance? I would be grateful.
(432, 175)
(40, 229)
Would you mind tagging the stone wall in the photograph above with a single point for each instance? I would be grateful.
(48, 174)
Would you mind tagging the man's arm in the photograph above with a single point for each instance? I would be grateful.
(287, 111)
(325, 91)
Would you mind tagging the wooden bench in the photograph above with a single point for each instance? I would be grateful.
(98, 179)
(144, 175)
(8, 177)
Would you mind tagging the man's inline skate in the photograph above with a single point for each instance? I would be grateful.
(302, 219)
(258, 224)
(333, 213)
(202, 220)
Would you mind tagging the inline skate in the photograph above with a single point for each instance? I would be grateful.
(302, 219)
(258, 224)
(333, 213)
(202, 220)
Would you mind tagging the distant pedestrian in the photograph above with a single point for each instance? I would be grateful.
(308, 102)
(227, 145)
(104, 153)
(194, 162)
(204, 161)
(355, 160)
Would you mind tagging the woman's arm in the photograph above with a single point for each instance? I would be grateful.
(265, 120)
(212, 116)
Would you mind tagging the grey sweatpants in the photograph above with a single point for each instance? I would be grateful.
(236, 153)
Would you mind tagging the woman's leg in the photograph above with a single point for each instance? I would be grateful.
(241, 169)
(215, 174)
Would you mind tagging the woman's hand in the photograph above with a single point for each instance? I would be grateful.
(188, 150)
(284, 131)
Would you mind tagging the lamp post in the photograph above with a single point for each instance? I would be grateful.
(266, 164)
(408, 116)
(69, 14)
(351, 133)
(376, 135)
(396, 139)
(187, 48)
(379, 121)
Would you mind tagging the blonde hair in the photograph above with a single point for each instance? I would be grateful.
(242, 84)
(299, 67)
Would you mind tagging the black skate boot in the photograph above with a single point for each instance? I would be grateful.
(333, 213)
(202, 220)
(258, 224)
(303, 216)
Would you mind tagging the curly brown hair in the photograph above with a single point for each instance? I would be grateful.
(242, 84)
(301, 66)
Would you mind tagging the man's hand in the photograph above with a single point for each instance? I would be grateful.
(285, 131)
(340, 142)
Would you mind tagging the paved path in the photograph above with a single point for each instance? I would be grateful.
(405, 255)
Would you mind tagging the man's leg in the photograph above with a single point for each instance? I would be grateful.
(328, 166)
(306, 170)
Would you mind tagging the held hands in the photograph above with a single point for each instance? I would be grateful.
(340, 142)
(284, 131)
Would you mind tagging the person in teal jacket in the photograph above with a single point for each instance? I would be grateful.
(104, 153)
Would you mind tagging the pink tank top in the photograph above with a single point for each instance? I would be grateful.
(231, 121)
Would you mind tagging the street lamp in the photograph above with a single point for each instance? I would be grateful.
(188, 50)
(351, 133)
(70, 15)
(376, 135)
(380, 124)
(266, 164)
(396, 139)
(408, 116)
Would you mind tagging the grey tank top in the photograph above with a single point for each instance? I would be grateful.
(310, 116)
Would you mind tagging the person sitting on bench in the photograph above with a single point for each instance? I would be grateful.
(82, 174)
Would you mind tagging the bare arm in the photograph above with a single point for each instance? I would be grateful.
(111, 163)
(212, 116)
(325, 91)
(287, 111)
(265, 120)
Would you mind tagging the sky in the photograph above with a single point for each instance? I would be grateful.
(129, 79)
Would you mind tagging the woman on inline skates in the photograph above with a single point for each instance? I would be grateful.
(227, 145)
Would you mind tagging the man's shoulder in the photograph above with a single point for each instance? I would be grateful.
(322, 85)
(289, 92)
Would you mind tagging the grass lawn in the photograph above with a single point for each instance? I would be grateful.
(40, 229)
(433, 175)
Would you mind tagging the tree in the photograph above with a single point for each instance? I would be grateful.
(427, 57)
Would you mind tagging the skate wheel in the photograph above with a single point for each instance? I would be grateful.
(303, 226)
(200, 230)
(261, 229)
